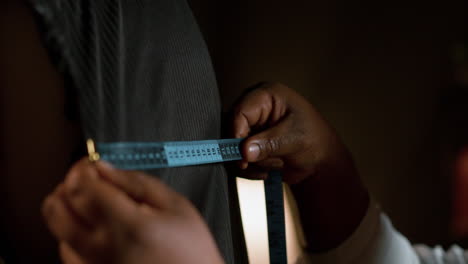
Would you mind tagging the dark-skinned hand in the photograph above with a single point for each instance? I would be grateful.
(283, 131)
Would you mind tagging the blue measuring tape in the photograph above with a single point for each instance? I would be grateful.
(155, 155)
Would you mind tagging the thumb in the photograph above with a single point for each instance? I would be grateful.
(276, 141)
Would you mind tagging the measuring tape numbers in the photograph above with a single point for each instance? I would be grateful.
(156, 155)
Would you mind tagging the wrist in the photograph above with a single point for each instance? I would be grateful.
(332, 204)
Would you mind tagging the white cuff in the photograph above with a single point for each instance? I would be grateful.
(375, 241)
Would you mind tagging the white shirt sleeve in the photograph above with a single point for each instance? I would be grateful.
(377, 242)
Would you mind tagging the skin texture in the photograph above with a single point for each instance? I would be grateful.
(103, 215)
(284, 132)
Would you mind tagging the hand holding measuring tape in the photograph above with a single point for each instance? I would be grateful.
(104, 215)
(146, 221)
(285, 132)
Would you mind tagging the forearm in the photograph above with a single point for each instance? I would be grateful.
(331, 203)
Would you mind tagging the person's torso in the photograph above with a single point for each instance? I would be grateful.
(141, 72)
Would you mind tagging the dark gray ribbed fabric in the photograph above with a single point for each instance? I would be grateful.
(141, 72)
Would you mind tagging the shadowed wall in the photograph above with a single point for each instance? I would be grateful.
(376, 71)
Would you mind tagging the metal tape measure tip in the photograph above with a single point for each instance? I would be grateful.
(93, 156)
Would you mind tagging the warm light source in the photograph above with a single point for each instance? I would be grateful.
(253, 212)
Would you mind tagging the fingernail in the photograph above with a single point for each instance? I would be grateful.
(254, 151)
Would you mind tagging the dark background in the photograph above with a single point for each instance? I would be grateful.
(380, 72)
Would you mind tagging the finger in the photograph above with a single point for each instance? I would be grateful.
(259, 170)
(242, 164)
(270, 164)
(140, 186)
(256, 109)
(69, 255)
(254, 172)
(95, 200)
(235, 117)
(62, 222)
(276, 141)
(267, 164)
